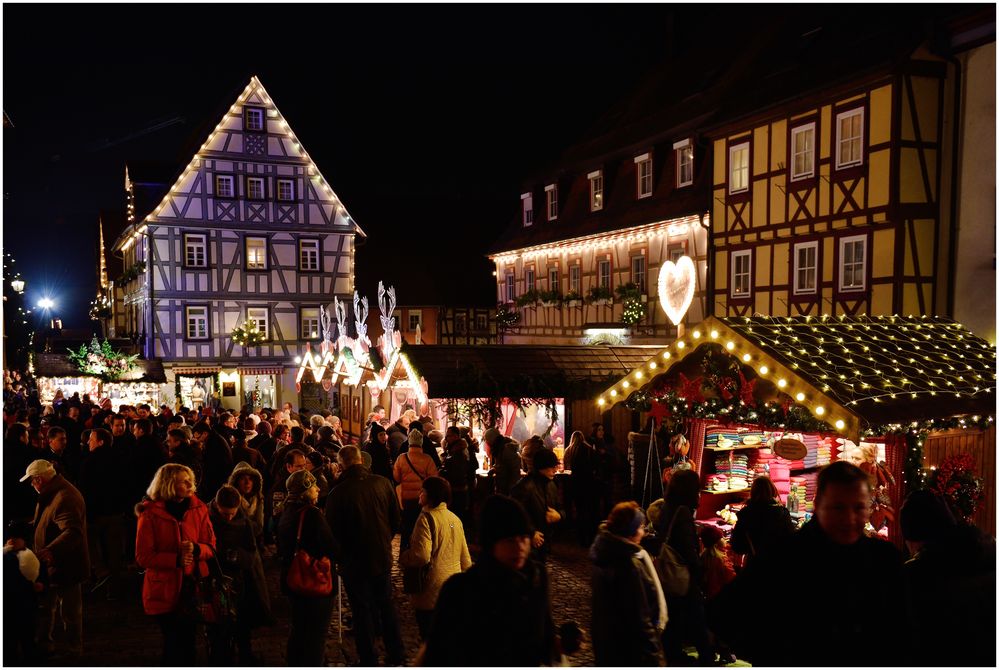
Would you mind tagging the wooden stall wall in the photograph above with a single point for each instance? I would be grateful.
(981, 444)
(618, 421)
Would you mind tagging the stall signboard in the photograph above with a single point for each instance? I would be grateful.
(790, 449)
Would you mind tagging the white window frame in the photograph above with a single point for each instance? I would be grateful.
(510, 287)
(575, 279)
(596, 179)
(230, 185)
(255, 264)
(643, 173)
(840, 140)
(551, 201)
(799, 268)
(290, 185)
(684, 162)
(809, 170)
(604, 278)
(736, 257)
(196, 315)
(527, 206)
(253, 112)
(304, 323)
(675, 252)
(554, 279)
(194, 242)
(861, 265)
(249, 189)
(732, 151)
(410, 313)
(263, 319)
(636, 273)
(309, 248)
(530, 279)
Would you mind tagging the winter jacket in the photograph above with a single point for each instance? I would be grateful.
(627, 618)
(157, 549)
(364, 515)
(449, 549)
(381, 458)
(760, 527)
(217, 459)
(61, 527)
(144, 459)
(537, 493)
(245, 454)
(317, 539)
(472, 604)
(102, 484)
(683, 539)
(18, 497)
(581, 460)
(253, 504)
(457, 469)
(410, 469)
(506, 463)
(239, 557)
(856, 580)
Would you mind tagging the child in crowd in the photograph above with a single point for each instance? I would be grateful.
(715, 562)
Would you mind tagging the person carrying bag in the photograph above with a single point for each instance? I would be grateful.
(674, 573)
(411, 468)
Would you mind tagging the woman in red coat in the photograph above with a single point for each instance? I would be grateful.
(174, 542)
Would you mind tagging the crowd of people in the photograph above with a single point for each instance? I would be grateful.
(189, 495)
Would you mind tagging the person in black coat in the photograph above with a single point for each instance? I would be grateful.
(102, 477)
(951, 582)
(310, 615)
(377, 447)
(504, 588)
(216, 456)
(853, 583)
(18, 501)
(763, 523)
(459, 473)
(583, 490)
(539, 496)
(145, 459)
(629, 608)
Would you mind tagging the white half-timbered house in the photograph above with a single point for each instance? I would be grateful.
(249, 231)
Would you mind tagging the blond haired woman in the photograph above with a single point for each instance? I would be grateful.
(173, 543)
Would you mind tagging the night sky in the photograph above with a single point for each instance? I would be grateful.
(425, 120)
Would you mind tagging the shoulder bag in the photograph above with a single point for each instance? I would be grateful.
(210, 599)
(414, 580)
(674, 574)
(308, 576)
(398, 487)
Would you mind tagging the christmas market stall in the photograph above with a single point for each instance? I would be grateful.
(100, 372)
(909, 399)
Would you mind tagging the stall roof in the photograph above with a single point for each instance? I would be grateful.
(871, 369)
(59, 365)
(570, 372)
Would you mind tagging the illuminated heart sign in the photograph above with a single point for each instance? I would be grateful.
(676, 287)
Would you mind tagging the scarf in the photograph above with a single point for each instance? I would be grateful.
(650, 570)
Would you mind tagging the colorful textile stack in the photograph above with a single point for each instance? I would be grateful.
(799, 484)
(811, 479)
(723, 465)
(717, 483)
(740, 472)
(780, 474)
(824, 451)
(722, 438)
(811, 442)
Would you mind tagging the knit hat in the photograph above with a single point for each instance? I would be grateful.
(710, 535)
(491, 435)
(502, 517)
(416, 438)
(375, 429)
(925, 516)
(300, 482)
(545, 458)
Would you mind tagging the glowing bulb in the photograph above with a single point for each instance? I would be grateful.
(613, 393)
(638, 375)
(764, 370)
(800, 397)
(653, 365)
(746, 357)
(781, 383)
(714, 334)
(680, 345)
(601, 402)
(298, 359)
(820, 410)
(666, 355)
(626, 385)
(840, 424)
(697, 334)
(730, 345)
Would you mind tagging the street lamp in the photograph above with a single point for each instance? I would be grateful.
(46, 303)
(17, 285)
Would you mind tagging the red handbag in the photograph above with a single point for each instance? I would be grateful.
(308, 576)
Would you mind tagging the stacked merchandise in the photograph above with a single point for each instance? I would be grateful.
(718, 482)
(810, 480)
(780, 475)
(798, 485)
(722, 438)
(740, 472)
(824, 451)
(811, 443)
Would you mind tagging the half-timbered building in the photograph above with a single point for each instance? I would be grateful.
(249, 234)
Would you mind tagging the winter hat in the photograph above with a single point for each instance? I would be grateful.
(925, 516)
(502, 517)
(545, 458)
(300, 482)
(710, 535)
(325, 432)
(375, 429)
(415, 438)
(490, 436)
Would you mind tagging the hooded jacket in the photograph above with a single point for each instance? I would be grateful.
(626, 606)
(253, 504)
(446, 551)
(157, 549)
(240, 559)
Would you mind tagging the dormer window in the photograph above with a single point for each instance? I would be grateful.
(253, 119)
(551, 197)
(684, 152)
(596, 190)
(643, 165)
(527, 206)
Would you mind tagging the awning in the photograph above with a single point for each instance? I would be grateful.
(260, 371)
(194, 371)
(59, 365)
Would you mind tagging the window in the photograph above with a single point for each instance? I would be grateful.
(510, 295)
(415, 319)
(596, 190)
(309, 328)
(225, 186)
(638, 272)
(529, 279)
(738, 168)
(742, 265)
(460, 324)
(849, 138)
(806, 264)
(853, 263)
(604, 274)
(675, 251)
(197, 322)
(802, 151)
(551, 195)
(527, 201)
(308, 255)
(553, 282)
(259, 315)
(256, 253)
(195, 251)
(574, 284)
(285, 189)
(255, 188)
(644, 163)
(253, 119)
(684, 163)
(481, 322)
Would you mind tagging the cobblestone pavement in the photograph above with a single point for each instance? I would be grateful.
(118, 633)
